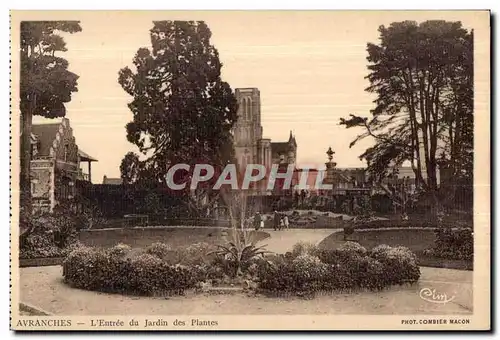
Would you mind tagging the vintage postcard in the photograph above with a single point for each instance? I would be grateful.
(250, 170)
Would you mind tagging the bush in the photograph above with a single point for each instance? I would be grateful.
(455, 244)
(158, 249)
(146, 274)
(198, 254)
(302, 248)
(353, 247)
(49, 236)
(120, 250)
(400, 263)
(350, 267)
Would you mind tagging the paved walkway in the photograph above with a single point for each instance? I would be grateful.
(282, 241)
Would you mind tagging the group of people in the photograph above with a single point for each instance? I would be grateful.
(280, 221)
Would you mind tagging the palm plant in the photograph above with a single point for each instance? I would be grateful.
(241, 247)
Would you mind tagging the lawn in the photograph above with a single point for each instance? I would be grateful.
(176, 237)
(415, 239)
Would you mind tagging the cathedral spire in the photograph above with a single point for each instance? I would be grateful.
(291, 139)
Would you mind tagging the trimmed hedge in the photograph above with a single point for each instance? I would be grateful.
(350, 267)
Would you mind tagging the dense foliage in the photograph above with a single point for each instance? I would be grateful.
(182, 110)
(111, 271)
(51, 236)
(159, 269)
(422, 76)
(454, 244)
(45, 87)
(308, 269)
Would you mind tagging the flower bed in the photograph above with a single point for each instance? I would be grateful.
(161, 270)
(120, 270)
(307, 269)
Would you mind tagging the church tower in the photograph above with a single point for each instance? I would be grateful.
(248, 128)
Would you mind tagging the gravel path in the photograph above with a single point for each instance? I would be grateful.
(43, 287)
(282, 241)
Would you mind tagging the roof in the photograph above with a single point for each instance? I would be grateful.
(45, 134)
(345, 178)
(85, 156)
(279, 147)
(112, 181)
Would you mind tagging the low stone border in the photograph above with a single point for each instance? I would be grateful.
(394, 228)
(24, 307)
(41, 262)
(222, 290)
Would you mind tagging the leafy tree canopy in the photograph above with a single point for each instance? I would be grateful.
(182, 110)
(422, 76)
(46, 83)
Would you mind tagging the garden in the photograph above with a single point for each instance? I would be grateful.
(160, 269)
(435, 246)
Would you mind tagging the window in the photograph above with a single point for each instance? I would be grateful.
(66, 150)
(247, 108)
(34, 150)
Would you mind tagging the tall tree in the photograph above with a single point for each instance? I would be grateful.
(422, 77)
(46, 84)
(182, 110)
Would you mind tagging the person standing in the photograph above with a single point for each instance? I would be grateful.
(286, 222)
(256, 220)
(276, 221)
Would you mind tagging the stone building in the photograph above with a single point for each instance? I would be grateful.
(56, 165)
(249, 144)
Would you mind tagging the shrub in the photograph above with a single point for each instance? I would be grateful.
(400, 263)
(145, 274)
(353, 247)
(197, 254)
(350, 267)
(303, 274)
(239, 253)
(302, 248)
(158, 249)
(456, 244)
(48, 237)
(120, 250)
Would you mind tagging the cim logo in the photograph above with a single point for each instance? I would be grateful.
(431, 295)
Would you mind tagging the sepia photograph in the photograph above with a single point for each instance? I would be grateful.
(250, 170)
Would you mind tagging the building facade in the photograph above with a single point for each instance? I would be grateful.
(249, 144)
(56, 165)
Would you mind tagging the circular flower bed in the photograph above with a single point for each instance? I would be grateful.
(159, 270)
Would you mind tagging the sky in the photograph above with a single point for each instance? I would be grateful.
(310, 68)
